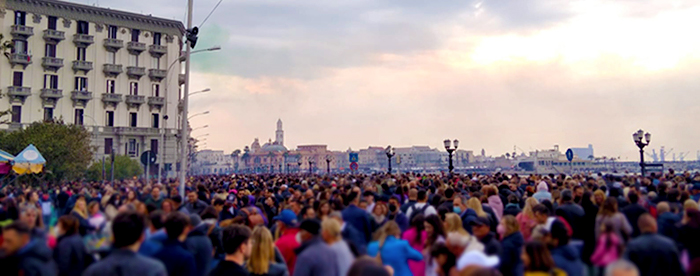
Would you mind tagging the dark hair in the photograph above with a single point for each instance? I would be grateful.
(127, 228)
(234, 236)
(438, 229)
(422, 195)
(352, 196)
(69, 224)
(177, 199)
(367, 266)
(540, 209)
(449, 192)
(633, 197)
(540, 258)
(175, 224)
(19, 227)
(156, 218)
(559, 232)
(513, 199)
(219, 201)
(209, 213)
(567, 195)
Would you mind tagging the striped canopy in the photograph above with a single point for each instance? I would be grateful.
(5, 157)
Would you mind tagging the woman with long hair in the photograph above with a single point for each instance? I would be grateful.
(435, 231)
(453, 223)
(538, 261)
(96, 218)
(81, 213)
(511, 246)
(416, 237)
(526, 218)
(599, 197)
(167, 206)
(390, 250)
(324, 209)
(379, 215)
(262, 256)
(474, 204)
(609, 213)
(131, 197)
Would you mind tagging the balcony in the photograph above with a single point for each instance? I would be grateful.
(21, 31)
(112, 69)
(158, 50)
(136, 47)
(83, 39)
(181, 79)
(81, 65)
(135, 100)
(50, 96)
(113, 44)
(80, 98)
(54, 36)
(111, 98)
(21, 59)
(135, 72)
(157, 74)
(156, 102)
(136, 131)
(52, 63)
(18, 93)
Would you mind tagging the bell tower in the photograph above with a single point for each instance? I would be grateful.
(279, 134)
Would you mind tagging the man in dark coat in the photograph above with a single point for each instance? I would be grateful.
(482, 231)
(358, 218)
(633, 211)
(572, 213)
(353, 237)
(25, 256)
(70, 253)
(199, 244)
(653, 254)
(195, 205)
(177, 260)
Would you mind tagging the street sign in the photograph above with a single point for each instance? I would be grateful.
(354, 166)
(148, 158)
(354, 157)
(569, 155)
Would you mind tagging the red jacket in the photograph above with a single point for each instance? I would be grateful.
(286, 244)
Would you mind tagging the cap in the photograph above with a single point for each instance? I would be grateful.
(287, 217)
(311, 225)
(477, 258)
(481, 221)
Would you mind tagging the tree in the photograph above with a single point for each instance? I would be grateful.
(66, 148)
(124, 167)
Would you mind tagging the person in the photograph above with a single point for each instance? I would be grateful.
(421, 207)
(350, 234)
(667, 221)
(330, 232)
(412, 199)
(314, 257)
(435, 231)
(199, 244)
(608, 213)
(589, 239)
(542, 193)
(474, 204)
(454, 224)
(70, 253)
(97, 220)
(286, 234)
(511, 247)
(80, 212)
(369, 198)
(396, 215)
(538, 261)
(513, 206)
(177, 260)
(392, 251)
(482, 231)
(633, 211)
(621, 268)
(526, 218)
(29, 214)
(155, 199)
(357, 218)
(378, 215)
(47, 208)
(194, 205)
(262, 256)
(25, 256)
(237, 245)
(367, 266)
(323, 210)
(687, 233)
(128, 234)
(566, 256)
(416, 237)
(154, 242)
(179, 205)
(494, 201)
(608, 248)
(572, 213)
(653, 254)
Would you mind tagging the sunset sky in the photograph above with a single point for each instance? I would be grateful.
(493, 74)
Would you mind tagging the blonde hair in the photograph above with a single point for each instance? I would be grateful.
(263, 251)
(331, 226)
(82, 213)
(690, 204)
(530, 203)
(474, 204)
(599, 192)
(389, 229)
(511, 224)
(453, 223)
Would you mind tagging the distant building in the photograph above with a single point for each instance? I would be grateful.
(584, 153)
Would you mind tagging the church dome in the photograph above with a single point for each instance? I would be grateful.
(273, 148)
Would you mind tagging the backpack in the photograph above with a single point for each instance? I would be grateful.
(252, 216)
(414, 213)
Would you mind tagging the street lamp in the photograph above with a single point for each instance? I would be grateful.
(200, 91)
(450, 150)
(198, 128)
(637, 137)
(328, 164)
(203, 135)
(389, 154)
(198, 114)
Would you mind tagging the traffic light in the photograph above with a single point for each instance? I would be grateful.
(192, 36)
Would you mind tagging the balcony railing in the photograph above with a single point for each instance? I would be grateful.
(20, 58)
(81, 65)
(135, 72)
(158, 50)
(54, 36)
(136, 131)
(113, 44)
(51, 93)
(136, 47)
(157, 74)
(135, 99)
(21, 31)
(81, 95)
(18, 93)
(111, 98)
(112, 69)
(52, 63)
(83, 39)
(156, 102)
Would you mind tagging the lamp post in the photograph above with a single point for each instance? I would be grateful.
(328, 164)
(389, 154)
(299, 166)
(198, 114)
(637, 137)
(450, 150)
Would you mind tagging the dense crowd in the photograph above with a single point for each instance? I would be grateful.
(381, 224)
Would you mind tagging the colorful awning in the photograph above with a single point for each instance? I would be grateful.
(5, 157)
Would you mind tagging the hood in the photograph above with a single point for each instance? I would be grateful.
(36, 250)
(567, 252)
(494, 199)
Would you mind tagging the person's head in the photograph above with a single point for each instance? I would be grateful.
(480, 227)
(609, 207)
(330, 231)
(29, 214)
(131, 195)
(262, 251)
(308, 213)
(177, 200)
(15, 236)
(309, 229)
(508, 226)
(67, 225)
(598, 197)
(337, 216)
(474, 204)
(457, 242)
(168, 205)
(541, 213)
(219, 204)
(192, 197)
(33, 197)
(156, 219)
(380, 209)
(449, 193)
(413, 194)
(459, 204)
(536, 257)
(236, 240)
(422, 196)
(93, 208)
(567, 196)
(128, 229)
(558, 235)
(621, 268)
(176, 226)
(155, 193)
(632, 197)
(389, 229)
(434, 228)
(578, 193)
(647, 224)
(453, 223)
(324, 208)
(81, 205)
(295, 206)
(369, 197)
(530, 203)
(363, 266)
(663, 207)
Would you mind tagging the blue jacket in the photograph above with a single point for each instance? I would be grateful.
(468, 216)
(126, 262)
(667, 225)
(395, 253)
(177, 260)
(315, 258)
(568, 259)
(359, 219)
(355, 239)
(654, 254)
(511, 247)
(400, 219)
(153, 244)
(200, 245)
(71, 256)
(32, 259)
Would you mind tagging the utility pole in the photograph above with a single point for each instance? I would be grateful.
(184, 142)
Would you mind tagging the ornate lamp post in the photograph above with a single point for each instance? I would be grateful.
(389, 154)
(328, 164)
(450, 150)
(637, 137)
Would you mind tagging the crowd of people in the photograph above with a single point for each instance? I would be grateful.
(355, 225)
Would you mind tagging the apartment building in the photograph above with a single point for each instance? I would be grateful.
(101, 68)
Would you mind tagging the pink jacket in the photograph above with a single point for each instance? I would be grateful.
(497, 205)
(607, 250)
(416, 267)
(526, 225)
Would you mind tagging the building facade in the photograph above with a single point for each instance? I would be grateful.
(97, 67)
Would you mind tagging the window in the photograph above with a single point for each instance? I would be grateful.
(19, 47)
(83, 27)
(51, 81)
(135, 35)
(16, 113)
(156, 38)
(81, 84)
(134, 60)
(111, 86)
(20, 18)
(155, 120)
(132, 119)
(78, 119)
(109, 118)
(52, 22)
(50, 50)
(154, 146)
(132, 148)
(133, 88)
(112, 32)
(109, 143)
(111, 58)
(17, 79)
(48, 113)
(156, 90)
(81, 54)
(156, 63)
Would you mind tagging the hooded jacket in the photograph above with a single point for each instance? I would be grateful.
(511, 264)
(496, 205)
(568, 259)
(71, 255)
(33, 259)
(199, 244)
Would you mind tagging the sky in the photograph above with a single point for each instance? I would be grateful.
(493, 74)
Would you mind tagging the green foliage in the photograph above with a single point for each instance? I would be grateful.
(124, 167)
(66, 148)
